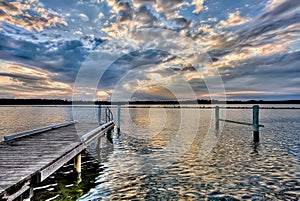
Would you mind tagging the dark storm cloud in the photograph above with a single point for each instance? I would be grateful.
(8, 6)
(125, 11)
(63, 58)
(131, 64)
(22, 78)
(161, 93)
(145, 15)
(281, 17)
(264, 68)
(188, 67)
(266, 74)
(166, 4)
(278, 25)
(199, 86)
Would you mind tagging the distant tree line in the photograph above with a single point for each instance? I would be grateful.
(162, 102)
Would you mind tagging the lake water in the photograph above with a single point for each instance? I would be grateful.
(175, 154)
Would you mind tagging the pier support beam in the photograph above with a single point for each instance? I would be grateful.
(29, 194)
(100, 145)
(217, 117)
(119, 118)
(77, 167)
(256, 123)
(99, 114)
(110, 135)
(106, 115)
(77, 163)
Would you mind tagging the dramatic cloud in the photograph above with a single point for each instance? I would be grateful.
(199, 6)
(234, 19)
(274, 3)
(150, 49)
(29, 15)
(28, 82)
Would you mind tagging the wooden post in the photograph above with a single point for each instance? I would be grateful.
(119, 118)
(29, 194)
(106, 119)
(217, 117)
(256, 123)
(77, 163)
(109, 135)
(100, 145)
(99, 114)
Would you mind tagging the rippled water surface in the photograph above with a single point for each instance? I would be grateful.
(176, 154)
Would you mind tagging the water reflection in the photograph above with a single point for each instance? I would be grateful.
(157, 158)
(21, 118)
(65, 184)
(141, 118)
(100, 148)
(235, 169)
(255, 148)
(171, 126)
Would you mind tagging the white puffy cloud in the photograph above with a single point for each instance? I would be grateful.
(199, 4)
(234, 19)
(16, 13)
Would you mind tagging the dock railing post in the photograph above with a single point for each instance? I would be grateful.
(99, 114)
(119, 118)
(256, 123)
(217, 117)
(106, 119)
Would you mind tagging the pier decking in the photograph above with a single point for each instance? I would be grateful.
(29, 160)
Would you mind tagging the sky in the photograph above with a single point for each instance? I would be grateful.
(150, 49)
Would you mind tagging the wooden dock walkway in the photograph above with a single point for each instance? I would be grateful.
(29, 160)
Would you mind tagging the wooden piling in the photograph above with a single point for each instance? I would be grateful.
(100, 145)
(99, 114)
(77, 163)
(110, 135)
(217, 117)
(256, 123)
(119, 118)
(28, 195)
(106, 113)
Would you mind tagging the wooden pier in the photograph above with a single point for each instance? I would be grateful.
(30, 157)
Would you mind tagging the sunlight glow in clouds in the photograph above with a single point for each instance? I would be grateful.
(23, 82)
(254, 44)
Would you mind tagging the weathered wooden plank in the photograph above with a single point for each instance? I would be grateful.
(21, 164)
(23, 188)
(35, 131)
(38, 156)
(44, 173)
(35, 157)
(14, 179)
(92, 133)
(89, 140)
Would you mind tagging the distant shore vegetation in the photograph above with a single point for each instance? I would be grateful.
(146, 102)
